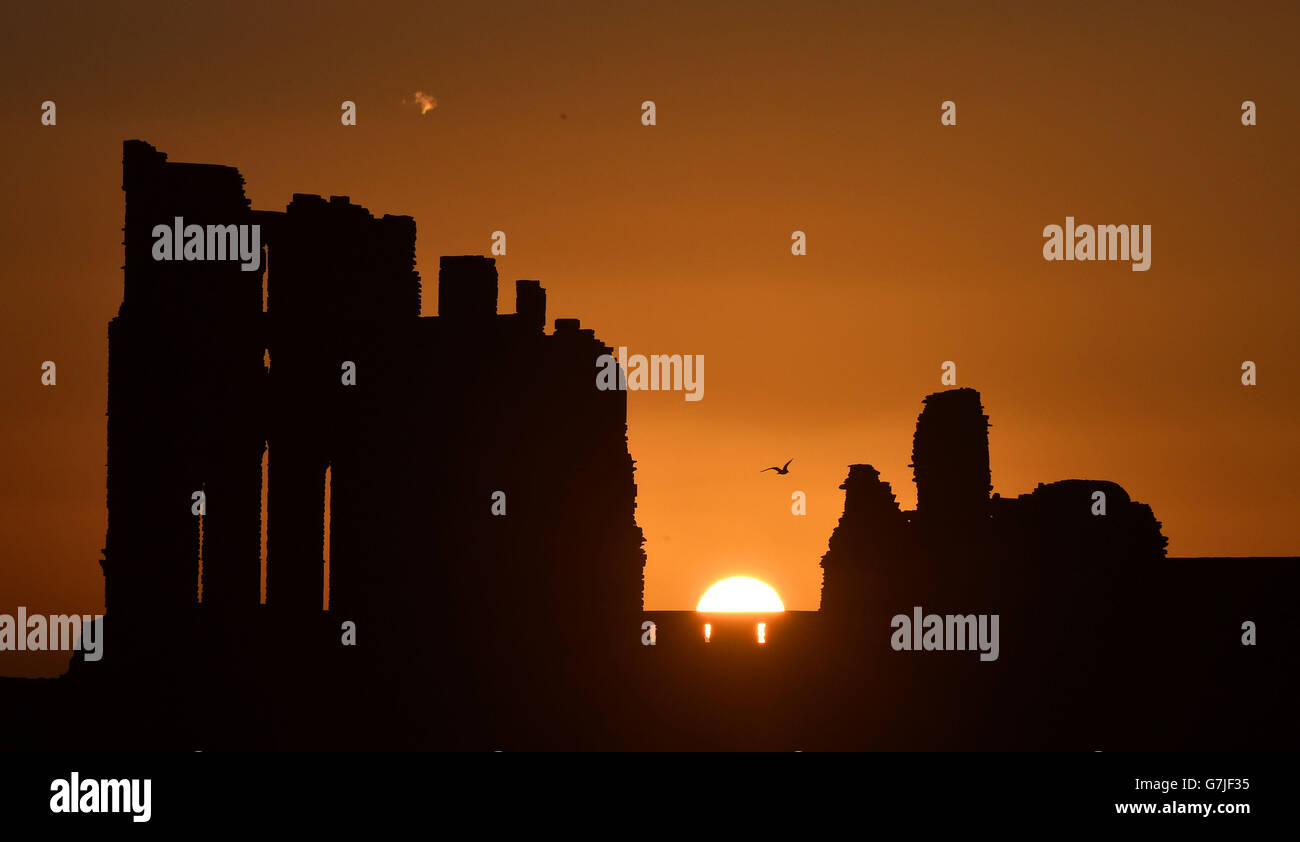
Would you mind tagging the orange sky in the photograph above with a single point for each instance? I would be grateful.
(924, 242)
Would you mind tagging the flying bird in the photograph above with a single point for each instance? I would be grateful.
(426, 101)
(781, 471)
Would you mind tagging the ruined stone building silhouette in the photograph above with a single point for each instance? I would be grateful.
(960, 543)
(381, 439)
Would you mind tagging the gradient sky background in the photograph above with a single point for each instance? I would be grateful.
(924, 242)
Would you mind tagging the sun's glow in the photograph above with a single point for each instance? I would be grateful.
(740, 593)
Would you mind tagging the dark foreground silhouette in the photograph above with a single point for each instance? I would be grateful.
(473, 493)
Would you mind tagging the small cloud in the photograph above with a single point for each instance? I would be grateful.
(426, 101)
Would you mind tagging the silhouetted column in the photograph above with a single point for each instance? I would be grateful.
(530, 304)
(467, 288)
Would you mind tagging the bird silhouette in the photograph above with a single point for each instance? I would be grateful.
(781, 471)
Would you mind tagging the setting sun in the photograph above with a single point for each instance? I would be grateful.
(740, 593)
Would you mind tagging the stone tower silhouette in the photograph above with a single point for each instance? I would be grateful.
(870, 543)
(185, 371)
(950, 463)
